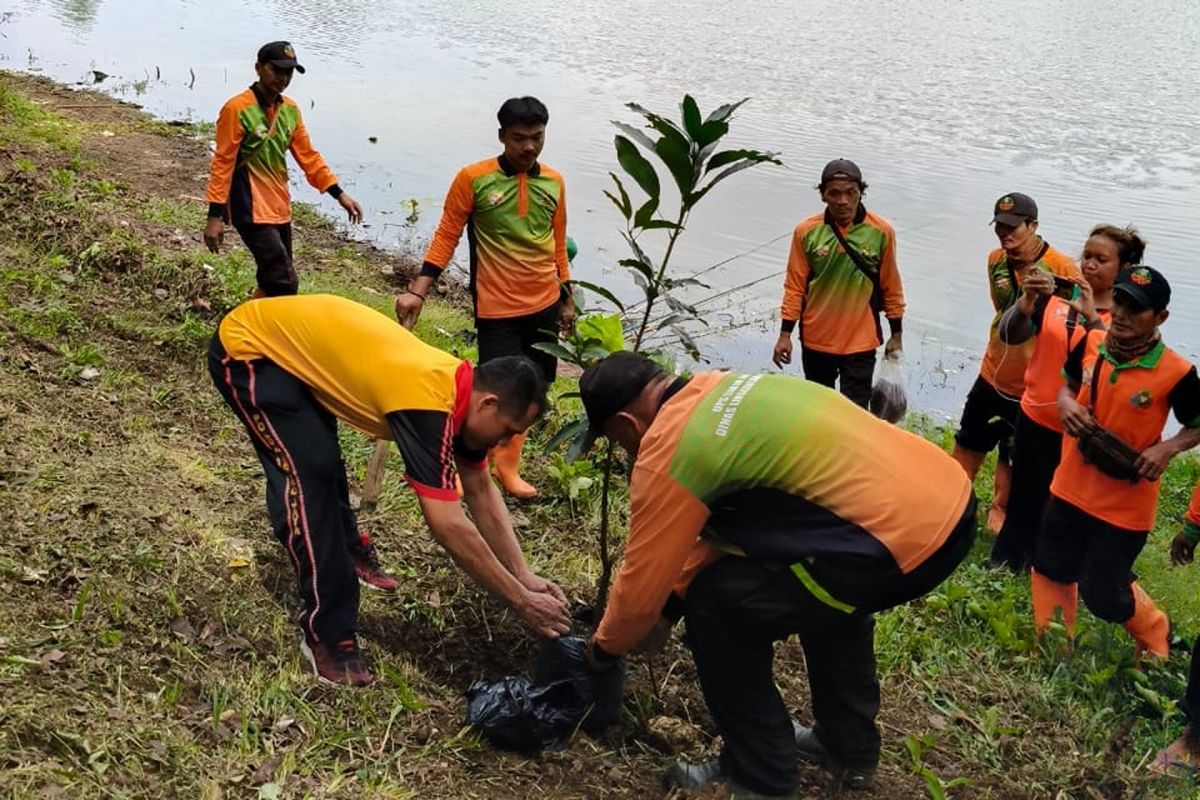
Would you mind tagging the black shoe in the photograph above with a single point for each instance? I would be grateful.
(702, 775)
(810, 749)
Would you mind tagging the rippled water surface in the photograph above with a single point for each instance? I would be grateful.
(1088, 105)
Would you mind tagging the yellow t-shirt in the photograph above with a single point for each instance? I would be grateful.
(365, 369)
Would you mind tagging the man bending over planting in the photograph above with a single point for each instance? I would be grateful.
(763, 506)
(290, 367)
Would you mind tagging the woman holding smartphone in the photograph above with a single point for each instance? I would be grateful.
(1057, 313)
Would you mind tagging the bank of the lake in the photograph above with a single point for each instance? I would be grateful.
(146, 642)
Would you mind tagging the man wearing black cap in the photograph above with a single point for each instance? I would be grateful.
(763, 506)
(1104, 495)
(990, 414)
(248, 180)
(841, 274)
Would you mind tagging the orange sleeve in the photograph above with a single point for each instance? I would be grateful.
(229, 142)
(795, 281)
(889, 279)
(559, 222)
(1193, 509)
(460, 202)
(319, 175)
(993, 257)
(664, 530)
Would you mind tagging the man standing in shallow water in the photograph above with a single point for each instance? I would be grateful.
(248, 180)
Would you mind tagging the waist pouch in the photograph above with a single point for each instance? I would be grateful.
(1110, 454)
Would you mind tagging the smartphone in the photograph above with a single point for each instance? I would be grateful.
(1064, 287)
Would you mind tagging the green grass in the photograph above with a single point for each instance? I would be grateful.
(146, 639)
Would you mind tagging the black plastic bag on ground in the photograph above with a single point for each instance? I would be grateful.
(602, 693)
(888, 399)
(515, 714)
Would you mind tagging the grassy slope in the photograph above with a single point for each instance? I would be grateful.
(146, 648)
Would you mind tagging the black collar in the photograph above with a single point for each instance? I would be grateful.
(859, 216)
(672, 390)
(508, 169)
(262, 98)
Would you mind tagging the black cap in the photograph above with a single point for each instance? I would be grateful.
(841, 169)
(1146, 286)
(279, 54)
(612, 383)
(1014, 209)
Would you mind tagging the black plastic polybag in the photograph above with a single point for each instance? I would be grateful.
(602, 693)
(514, 714)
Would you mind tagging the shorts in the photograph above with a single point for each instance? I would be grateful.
(988, 420)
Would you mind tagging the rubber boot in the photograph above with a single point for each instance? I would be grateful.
(1001, 487)
(970, 460)
(1148, 626)
(506, 465)
(1047, 596)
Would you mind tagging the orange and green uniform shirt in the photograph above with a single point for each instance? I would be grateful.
(1055, 339)
(516, 226)
(248, 176)
(829, 295)
(1134, 399)
(368, 370)
(854, 483)
(1004, 365)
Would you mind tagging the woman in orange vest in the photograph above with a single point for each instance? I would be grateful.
(1104, 495)
(1057, 319)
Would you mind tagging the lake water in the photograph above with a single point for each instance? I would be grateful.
(1087, 105)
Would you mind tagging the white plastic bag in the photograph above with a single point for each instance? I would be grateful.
(888, 399)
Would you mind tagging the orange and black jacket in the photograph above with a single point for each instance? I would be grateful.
(248, 178)
(516, 225)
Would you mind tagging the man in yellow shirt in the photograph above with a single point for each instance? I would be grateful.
(290, 367)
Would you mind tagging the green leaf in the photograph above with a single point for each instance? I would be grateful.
(600, 290)
(661, 124)
(626, 206)
(711, 132)
(604, 328)
(593, 353)
(569, 432)
(688, 343)
(727, 157)
(637, 166)
(557, 350)
(723, 113)
(655, 224)
(689, 282)
(677, 155)
(645, 214)
(637, 134)
(691, 117)
(749, 161)
(640, 266)
(638, 252)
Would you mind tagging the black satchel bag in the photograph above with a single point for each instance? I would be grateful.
(1103, 449)
(871, 274)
